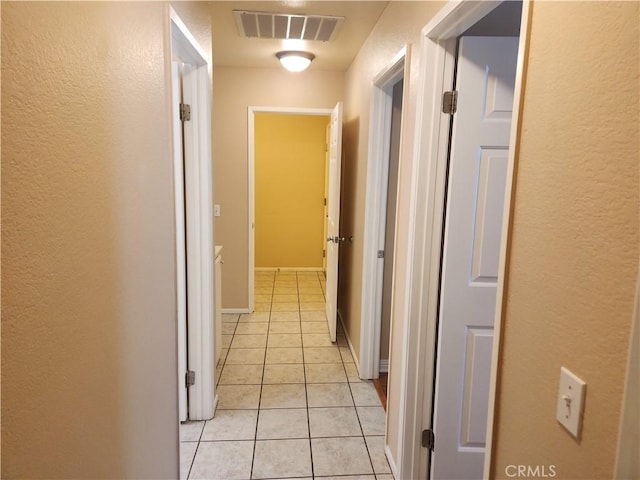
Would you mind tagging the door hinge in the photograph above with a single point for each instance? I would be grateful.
(380, 253)
(185, 112)
(428, 439)
(450, 102)
(324, 253)
(325, 202)
(189, 378)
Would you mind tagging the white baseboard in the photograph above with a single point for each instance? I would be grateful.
(384, 366)
(390, 459)
(353, 352)
(234, 310)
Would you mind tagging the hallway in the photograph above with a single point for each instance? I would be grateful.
(291, 404)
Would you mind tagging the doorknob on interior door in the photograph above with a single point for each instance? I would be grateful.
(336, 239)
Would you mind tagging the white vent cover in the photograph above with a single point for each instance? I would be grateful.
(286, 26)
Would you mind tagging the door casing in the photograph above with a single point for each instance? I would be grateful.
(251, 169)
(199, 214)
(437, 65)
(375, 212)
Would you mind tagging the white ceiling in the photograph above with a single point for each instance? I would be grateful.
(230, 49)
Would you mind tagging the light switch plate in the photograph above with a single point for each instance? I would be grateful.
(216, 210)
(571, 402)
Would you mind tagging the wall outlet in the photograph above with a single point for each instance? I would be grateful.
(216, 210)
(571, 396)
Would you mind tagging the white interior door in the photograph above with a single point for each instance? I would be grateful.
(181, 254)
(333, 218)
(477, 177)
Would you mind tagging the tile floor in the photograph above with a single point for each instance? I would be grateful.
(291, 405)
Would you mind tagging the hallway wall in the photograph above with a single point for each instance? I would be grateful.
(88, 311)
(574, 239)
(235, 90)
(399, 25)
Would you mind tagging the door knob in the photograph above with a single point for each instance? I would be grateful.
(336, 239)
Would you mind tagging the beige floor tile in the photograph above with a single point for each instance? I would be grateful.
(252, 328)
(350, 477)
(324, 373)
(329, 395)
(264, 289)
(254, 317)
(334, 422)
(241, 375)
(283, 396)
(285, 290)
(314, 316)
(228, 328)
(312, 306)
(262, 297)
(285, 307)
(249, 341)
(341, 340)
(284, 340)
(387, 476)
(315, 327)
(245, 356)
(310, 297)
(352, 373)
(226, 340)
(365, 395)
(233, 397)
(280, 355)
(276, 459)
(322, 355)
(345, 353)
(275, 374)
(231, 425)
(310, 289)
(191, 431)
(229, 460)
(282, 298)
(187, 453)
(262, 307)
(340, 456)
(230, 317)
(372, 420)
(316, 340)
(376, 452)
(283, 423)
(285, 317)
(284, 327)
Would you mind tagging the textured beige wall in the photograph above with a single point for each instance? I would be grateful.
(574, 243)
(399, 25)
(88, 322)
(235, 89)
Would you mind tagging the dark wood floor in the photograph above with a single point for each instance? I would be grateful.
(381, 387)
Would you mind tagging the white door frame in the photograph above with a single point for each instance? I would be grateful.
(375, 210)
(251, 168)
(428, 187)
(199, 216)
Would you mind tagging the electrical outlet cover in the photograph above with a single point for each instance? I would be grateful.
(571, 402)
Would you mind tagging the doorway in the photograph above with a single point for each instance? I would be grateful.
(193, 193)
(380, 217)
(444, 427)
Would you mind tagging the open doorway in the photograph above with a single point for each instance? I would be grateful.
(472, 73)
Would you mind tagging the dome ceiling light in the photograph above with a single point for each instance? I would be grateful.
(295, 61)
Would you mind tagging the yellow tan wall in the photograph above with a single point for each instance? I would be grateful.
(88, 310)
(574, 238)
(399, 25)
(290, 157)
(235, 89)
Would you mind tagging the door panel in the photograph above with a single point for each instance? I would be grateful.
(475, 204)
(333, 218)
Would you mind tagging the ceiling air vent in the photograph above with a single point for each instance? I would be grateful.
(286, 26)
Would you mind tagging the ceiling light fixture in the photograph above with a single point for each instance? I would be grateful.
(295, 61)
